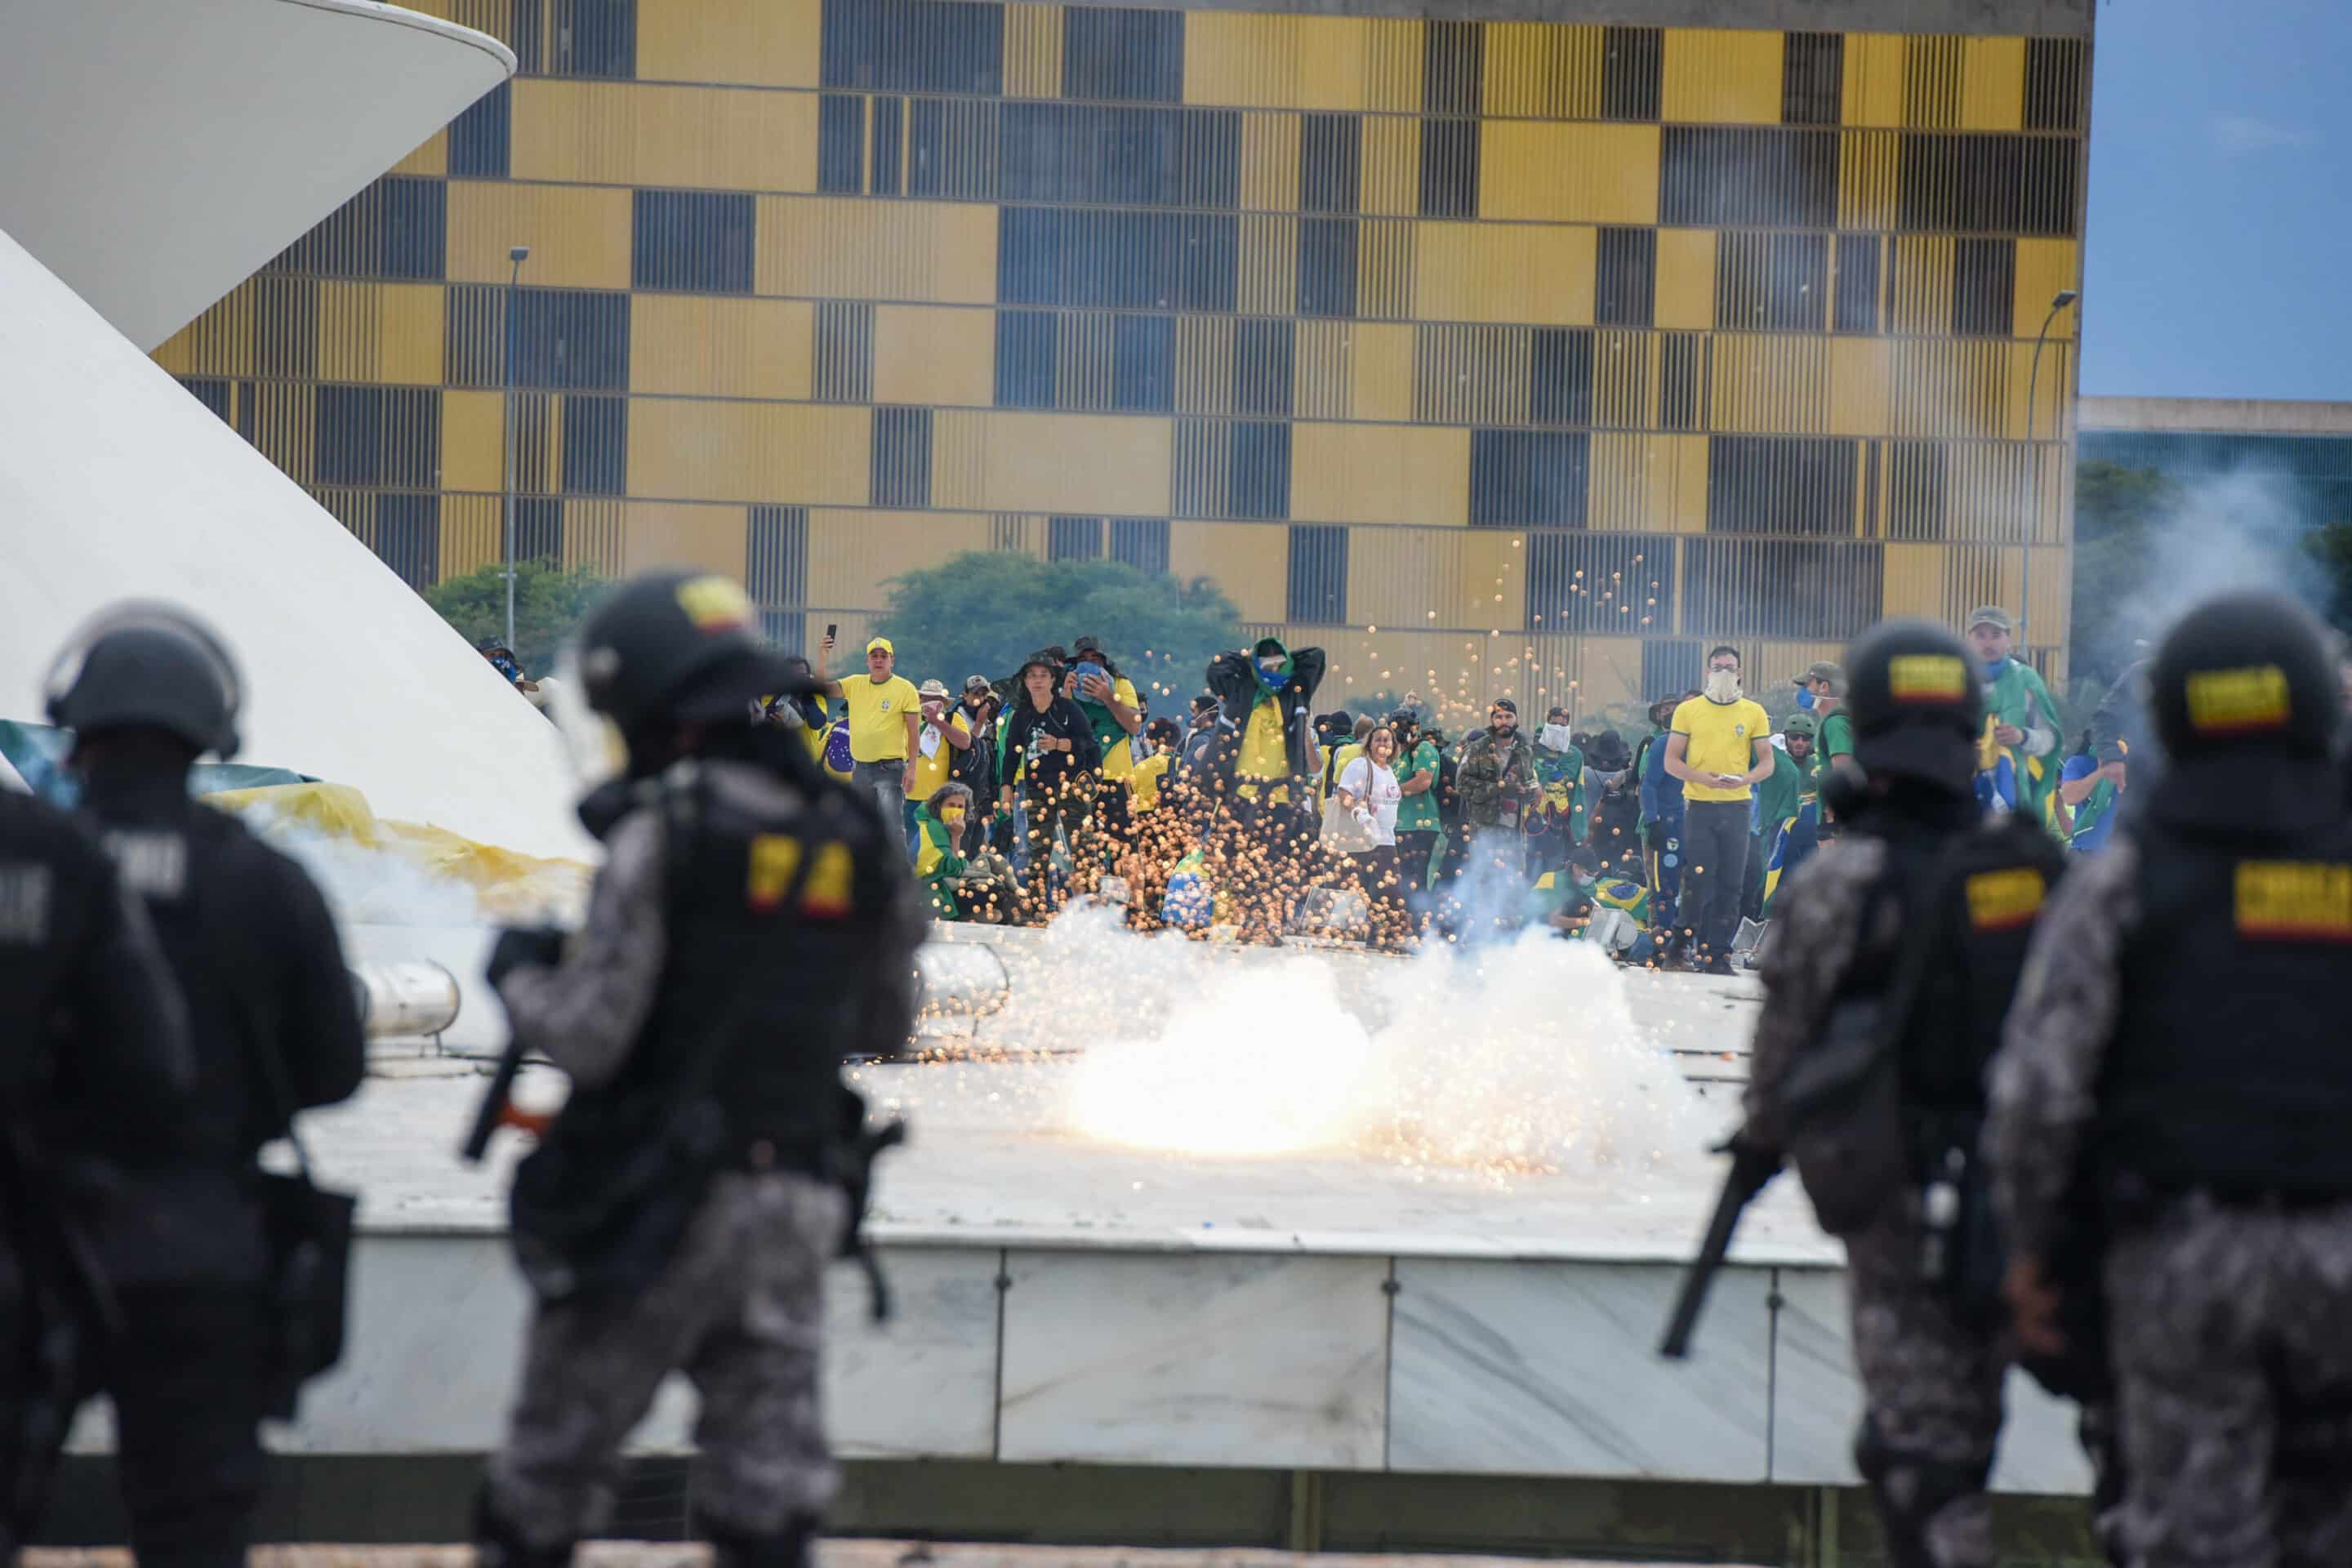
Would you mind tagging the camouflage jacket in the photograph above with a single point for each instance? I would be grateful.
(1488, 774)
(1816, 937)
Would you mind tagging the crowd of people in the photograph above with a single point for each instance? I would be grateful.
(1256, 815)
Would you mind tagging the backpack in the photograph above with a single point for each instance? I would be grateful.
(1876, 1097)
(1448, 787)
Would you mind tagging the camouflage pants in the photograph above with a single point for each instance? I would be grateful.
(1931, 1399)
(2232, 1338)
(740, 1312)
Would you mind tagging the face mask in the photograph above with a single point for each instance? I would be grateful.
(1557, 737)
(1804, 697)
(951, 814)
(1723, 686)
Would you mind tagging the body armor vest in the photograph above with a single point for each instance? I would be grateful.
(769, 920)
(2226, 1068)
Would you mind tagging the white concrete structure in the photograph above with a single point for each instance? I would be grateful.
(156, 152)
(1064, 1300)
(115, 483)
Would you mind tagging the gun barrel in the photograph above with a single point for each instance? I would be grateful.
(1738, 1190)
(492, 1112)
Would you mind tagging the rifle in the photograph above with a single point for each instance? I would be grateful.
(497, 1108)
(516, 946)
(1751, 1171)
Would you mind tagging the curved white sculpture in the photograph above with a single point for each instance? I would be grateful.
(153, 154)
(115, 483)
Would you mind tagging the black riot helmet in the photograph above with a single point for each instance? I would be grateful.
(148, 665)
(1913, 694)
(2244, 699)
(2247, 671)
(672, 647)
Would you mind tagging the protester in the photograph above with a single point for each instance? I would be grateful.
(1158, 833)
(1661, 817)
(975, 767)
(1050, 745)
(1418, 826)
(803, 714)
(1114, 713)
(1720, 749)
(1143, 783)
(2016, 758)
(1200, 778)
(1267, 694)
(1498, 780)
(943, 737)
(2090, 790)
(1614, 822)
(1554, 822)
(884, 715)
(1364, 802)
(962, 878)
(1788, 811)
(1342, 739)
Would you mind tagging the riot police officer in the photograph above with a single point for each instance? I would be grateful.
(274, 1028)
(1898, 948)
(753, 923)
(93, 1058)
(2178, 1046)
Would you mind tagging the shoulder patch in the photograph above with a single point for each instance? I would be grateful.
(2004, 900)
(2295, 901)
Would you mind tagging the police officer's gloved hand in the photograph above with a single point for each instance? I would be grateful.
(1751, 1163)
(519, 946)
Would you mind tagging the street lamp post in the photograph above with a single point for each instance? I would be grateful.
(2063, 297)
(505, 380)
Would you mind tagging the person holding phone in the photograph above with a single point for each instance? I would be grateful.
(1048, 740)
(884, 716)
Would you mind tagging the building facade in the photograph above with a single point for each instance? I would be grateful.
(1489, 355)
(2303, 451)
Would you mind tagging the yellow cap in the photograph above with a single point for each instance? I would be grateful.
(884, 644)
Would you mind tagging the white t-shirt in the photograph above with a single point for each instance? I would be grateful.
(1379, 789)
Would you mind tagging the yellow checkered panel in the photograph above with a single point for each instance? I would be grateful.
(1550, 350)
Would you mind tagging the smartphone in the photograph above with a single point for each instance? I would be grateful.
(830, 628)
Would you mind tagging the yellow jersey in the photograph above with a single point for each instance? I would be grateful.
(877, 717)
(1143, 781)
(932, 770)
(1720, 739)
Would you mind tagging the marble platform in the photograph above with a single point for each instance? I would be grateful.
(1069, 1299)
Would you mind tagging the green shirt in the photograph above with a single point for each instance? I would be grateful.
(1836, 740)
(1791, 787)
(1418, 813)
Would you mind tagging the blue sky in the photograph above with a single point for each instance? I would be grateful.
(2219, 246)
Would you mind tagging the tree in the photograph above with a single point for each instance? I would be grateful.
(2120, 516)
(983, 612)
(2330, 546)
(549, 602)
